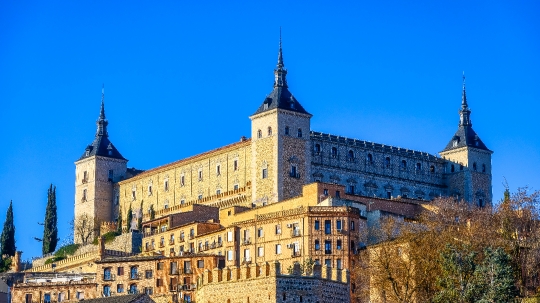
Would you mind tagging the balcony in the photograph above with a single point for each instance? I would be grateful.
(296, 233)
(171, 242)
(161, 244)
(246, 241)
(296, 253)
(108, 277)
(172, 288)
(246, 260)
(174, 271)
(188, 286)
(187, 271)
(191, 236)
(182, 239)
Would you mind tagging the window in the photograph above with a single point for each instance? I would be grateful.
(299, 133)
(461, 167)
(247, 255)
(387, 162)
(61, 296)
(352, 225)
(294, 173)
(260, 251)
(278, 249)
(235, 165)
(317, 225)
(403, 164)
(317, 149)
(432, 169)
(200, 175)
(334, 152)
(120, 271)
(182, 179)
(351, 189)
(133, 194)
(107, 276)
(229, 236)
(106, 292)
(235, 187)
(160, 265)
(418, 166)
(200, 263)
(133, 272)
(338, 245)
(218, 170)
(483, 168)
(111, 174)
(350, 155)
(388, 195)
(260, 232)
(166, 185)
(328, 262)
(259, 134)
(149, 291)
(148, 274)
(200, 197)
(229, 255)
(150, 189)
(264, 173)
(338, 224)
(327, 227)
(317, 245)
(166, 204)
(325, 191)
(133, 288)
(269, 131)
(452, 168)
(79, 295)
(338, 195)
(120, 288)
(278, 229)
(286, 130)
(474, 166)
(85, 177)
(338, 264)
(84, 194)
(370, 159)
(191, 233)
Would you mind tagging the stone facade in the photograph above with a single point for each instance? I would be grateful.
(54, 288)
(265, 283)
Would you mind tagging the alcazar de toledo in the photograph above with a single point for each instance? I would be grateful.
(278, 217)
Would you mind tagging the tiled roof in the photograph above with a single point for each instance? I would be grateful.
(121, 299)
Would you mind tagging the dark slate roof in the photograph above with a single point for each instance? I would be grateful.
(465, 136)
(100, 147)
(281, 98)
(121, 299)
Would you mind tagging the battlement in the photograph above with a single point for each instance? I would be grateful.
(317, 285)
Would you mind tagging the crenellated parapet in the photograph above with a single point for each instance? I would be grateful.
(265, 282)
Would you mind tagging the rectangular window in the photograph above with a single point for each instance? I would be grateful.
(120, 271)
(200, 197)
(218, 191)
(338, 224)
(160, 265)
(278, 229)
(338, 264)
(265, 173)
(111, 174)
(120, 288)
(166, 185)
(236, 187)
(200, 175)
(235, 165)
(84, 195)
(218, 170)
(148, 274)
(327, 247)
(229, 255)
(278, 249)
(328, 262)
(352, 225)
(325, 191)
(338, 245)
(229, 236)
(337, 194)
(317, 224)
(327, 227)
(200, 263)
(182, 179)
(260, 251)
(149, 291)
(260, 232)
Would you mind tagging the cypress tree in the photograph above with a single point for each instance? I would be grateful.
(139, 219)
(7, 240)
(50, 228)
(129, 218)
(119, 223)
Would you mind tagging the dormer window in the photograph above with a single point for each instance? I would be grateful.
(265, 106)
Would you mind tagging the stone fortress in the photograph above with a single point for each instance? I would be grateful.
(286, 210)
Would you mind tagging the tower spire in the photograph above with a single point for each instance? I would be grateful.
(464, 112)
(280, 72)
(102, 121)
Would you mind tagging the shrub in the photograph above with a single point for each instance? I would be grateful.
(66, 250)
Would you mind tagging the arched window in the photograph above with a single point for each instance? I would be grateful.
(317, 149)
(269, 131)
(350, 155)
(334, 152)
(370, 158)
(483, 168)
(474, 166)
(133, 288)
(387, 162)
(259, 134)
(106, 291)
(286, 130)
(403, 164)
(299, 133)
(452, 168)
(432, 169)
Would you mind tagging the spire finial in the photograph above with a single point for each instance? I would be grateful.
(465, 112)
(280, 54)
(464, 94)
(280, 72)
(102, 121)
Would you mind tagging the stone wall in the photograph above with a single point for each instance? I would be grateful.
(69, 291)
(264, 283)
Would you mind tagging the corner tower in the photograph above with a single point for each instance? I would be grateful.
(469, 161)
(280, 143)
(95, 173)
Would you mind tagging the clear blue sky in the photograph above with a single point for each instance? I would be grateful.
(182, 77)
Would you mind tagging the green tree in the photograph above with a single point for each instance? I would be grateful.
(119, 223)
(139, 218)
(129, 218)
(495, 277)
(152, 212)
(7, 240)
(457, 280)
(50, 229)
